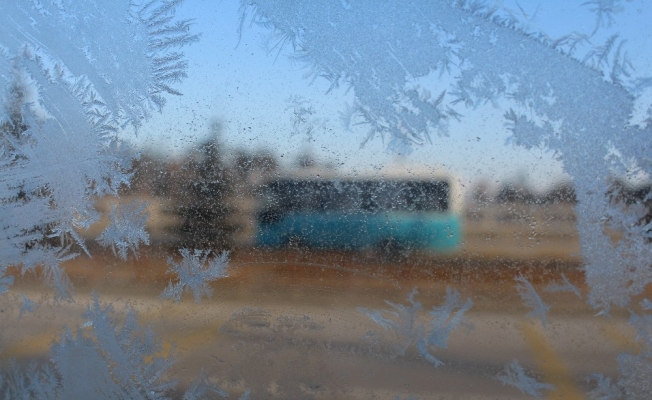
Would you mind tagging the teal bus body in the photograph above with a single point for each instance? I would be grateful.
(439, 232)
(355, 215)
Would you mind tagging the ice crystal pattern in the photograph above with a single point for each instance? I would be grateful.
(403, 323)
(195, 272)
(27, 306)
(635, 381)
(303, 118)
(126, 228)
(202, 388)
(532, 300)
(575, 95)
(605, 388)
(121, 360)
(514, 375)
(72, 76)
(585, 105)
(564, 286)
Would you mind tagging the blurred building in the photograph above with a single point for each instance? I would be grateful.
(518, 223)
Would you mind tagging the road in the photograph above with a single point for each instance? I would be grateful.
(291, 325)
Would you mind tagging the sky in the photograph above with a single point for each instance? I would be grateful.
(239, 82)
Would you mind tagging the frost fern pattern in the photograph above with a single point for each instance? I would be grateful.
(110, 356)
(73, 75)
(195, 272)
(489, 56)
(403, 323)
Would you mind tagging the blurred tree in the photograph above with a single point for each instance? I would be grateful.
(634, 196)
(480, 192)
(11, 130)
(562, 193)
(305, 160)
(152, 176)
(246, 163)
(15, 125)
(511, 193)
(202, 201)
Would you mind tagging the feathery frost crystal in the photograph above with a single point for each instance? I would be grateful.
(76, 75)
(72, 76)
(403, 322)
(195, 272)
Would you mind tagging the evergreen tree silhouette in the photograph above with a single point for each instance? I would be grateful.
(203, 201)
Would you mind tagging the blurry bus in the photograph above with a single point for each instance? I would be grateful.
(389, 214)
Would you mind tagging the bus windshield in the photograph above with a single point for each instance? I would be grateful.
(289, 195)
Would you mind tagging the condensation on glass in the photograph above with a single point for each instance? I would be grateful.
(325, 199)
